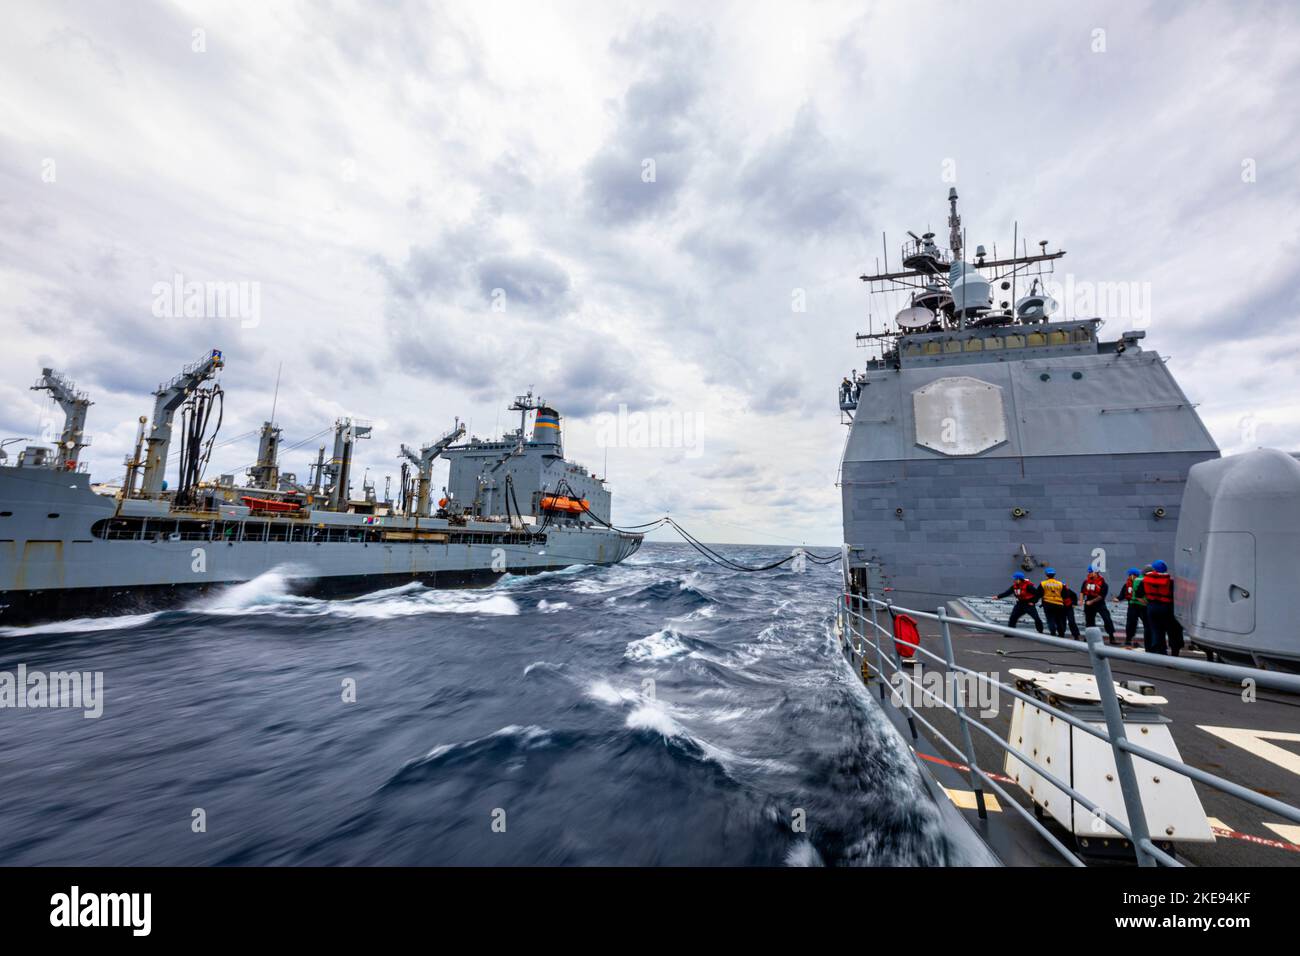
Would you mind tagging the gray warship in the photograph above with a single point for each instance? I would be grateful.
(69, 547)
(988, 437)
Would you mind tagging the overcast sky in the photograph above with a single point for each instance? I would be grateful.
(440, 206)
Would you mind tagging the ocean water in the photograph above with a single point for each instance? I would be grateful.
(663, 711)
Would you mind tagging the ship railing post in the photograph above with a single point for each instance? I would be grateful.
(968, 745)
(1128, 782)
(910, 679)
(880, 650)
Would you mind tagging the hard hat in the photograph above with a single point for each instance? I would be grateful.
(1050, 572)
(1147, 568)
(1091, 569)
(1134, 571)
(1019, 575)
(1160, 566)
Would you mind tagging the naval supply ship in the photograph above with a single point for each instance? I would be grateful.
(989, 437)
(69, 547)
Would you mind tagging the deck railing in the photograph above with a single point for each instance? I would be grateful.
(856, 607)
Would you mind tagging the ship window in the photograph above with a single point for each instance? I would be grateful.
(6, 514)
(1076, 376)
(1058, 338)
(993, 342)
(951, 346)
(975, 345)
(1044, 377)
(1015, 341)
(52, 514)
(1035, 339)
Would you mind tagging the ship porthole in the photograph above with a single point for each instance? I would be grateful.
(1076, 376)
(1044, 377)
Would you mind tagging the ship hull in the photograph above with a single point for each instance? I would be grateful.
(56, 564)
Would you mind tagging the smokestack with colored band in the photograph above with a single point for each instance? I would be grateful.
(546, 428)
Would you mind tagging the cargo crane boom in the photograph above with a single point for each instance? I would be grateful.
(169, 397)
(74, 405)
(424, 462)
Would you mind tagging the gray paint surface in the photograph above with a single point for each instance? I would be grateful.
(1098, 442)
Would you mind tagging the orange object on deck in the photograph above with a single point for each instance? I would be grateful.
(269, 504)
(561, 503)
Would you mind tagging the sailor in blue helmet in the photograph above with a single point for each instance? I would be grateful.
(1094, 591)
(1137, 607)
(1026, 593)
(1158, 589)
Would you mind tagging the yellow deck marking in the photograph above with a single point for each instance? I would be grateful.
(1256, 742)
(965, 800)
(1287, 831)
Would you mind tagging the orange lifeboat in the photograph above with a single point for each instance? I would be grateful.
(269, 504)
(567, 505)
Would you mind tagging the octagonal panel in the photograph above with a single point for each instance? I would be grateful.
(959, 415)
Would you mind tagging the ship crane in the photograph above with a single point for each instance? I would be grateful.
(424, 462)
(169, 397)
(74, 405)
(339, 469)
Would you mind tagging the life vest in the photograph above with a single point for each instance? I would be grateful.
(1092, 585)
(1023, 589)
(1053, 591)
(1130, 592)
(1158, 587)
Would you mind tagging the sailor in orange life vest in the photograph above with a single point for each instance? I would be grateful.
(1026, 593)
(1095, 590)
(1158, 589)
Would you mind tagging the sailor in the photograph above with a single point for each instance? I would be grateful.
(1068, 601)
(1053, 592)
(846, 389)
(1095, 590)
(1158, 589)
(857, 385)
(1026, 593)
(1137, 608)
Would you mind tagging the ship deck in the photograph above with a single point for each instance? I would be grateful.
(1267, 759)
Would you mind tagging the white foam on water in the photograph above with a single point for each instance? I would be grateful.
(266, 593)
(120, 622)
(652, 715)
(803, 853)
(607, 693)
(549, 607)
(528, 736)
(656, 647)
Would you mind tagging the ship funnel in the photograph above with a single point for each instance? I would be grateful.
(546, 427)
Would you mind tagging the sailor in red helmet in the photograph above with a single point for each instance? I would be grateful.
(1026, 593)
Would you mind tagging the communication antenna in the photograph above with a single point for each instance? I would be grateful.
(276, 399)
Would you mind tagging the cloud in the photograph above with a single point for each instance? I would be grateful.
(380, 171)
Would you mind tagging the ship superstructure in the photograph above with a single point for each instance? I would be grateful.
(988, 436)
(68, 547)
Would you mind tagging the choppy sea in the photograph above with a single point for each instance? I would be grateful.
(662, 711)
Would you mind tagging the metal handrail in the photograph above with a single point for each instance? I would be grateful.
(1147, 853)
